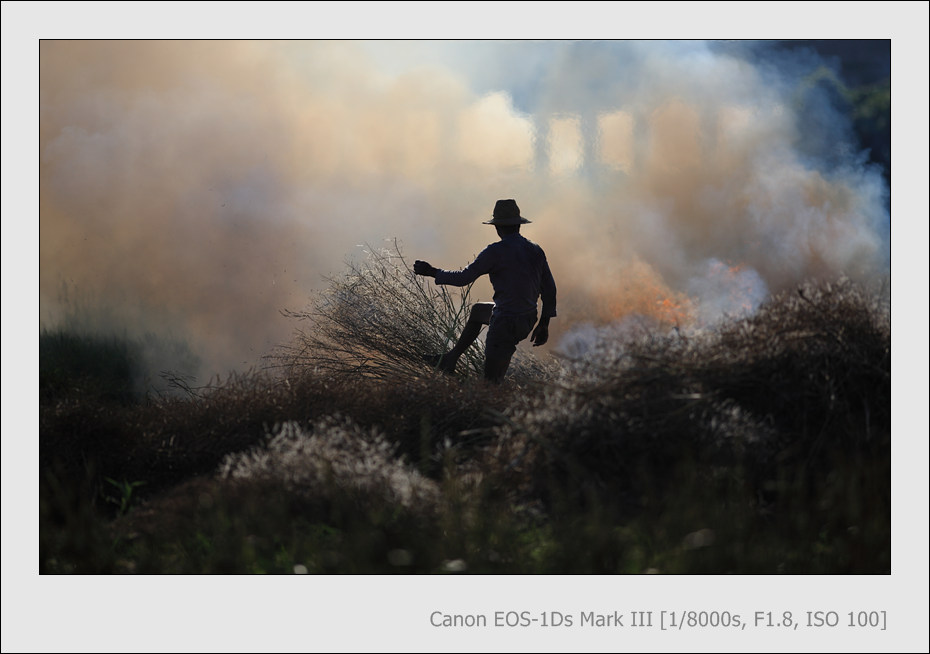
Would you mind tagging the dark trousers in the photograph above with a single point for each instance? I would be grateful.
(504, 332)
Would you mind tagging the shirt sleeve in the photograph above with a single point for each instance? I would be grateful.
(547, 292)
(480, 266)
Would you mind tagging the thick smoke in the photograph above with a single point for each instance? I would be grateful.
(199, 188)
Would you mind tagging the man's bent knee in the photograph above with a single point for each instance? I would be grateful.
(481, 312)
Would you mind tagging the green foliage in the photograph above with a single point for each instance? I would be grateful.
(123, 499)
(108, 367)
(101, 366)
(872, 105)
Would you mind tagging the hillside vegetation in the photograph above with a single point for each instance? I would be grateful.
(762, 445)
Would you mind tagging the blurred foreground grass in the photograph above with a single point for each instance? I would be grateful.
(759, 447)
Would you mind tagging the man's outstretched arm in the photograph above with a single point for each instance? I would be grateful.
(480, 266)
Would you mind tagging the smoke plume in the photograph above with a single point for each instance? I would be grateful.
(199, 188)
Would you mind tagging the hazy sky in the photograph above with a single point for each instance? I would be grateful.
(198, 188)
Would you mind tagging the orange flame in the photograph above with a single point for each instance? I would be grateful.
(642, 292)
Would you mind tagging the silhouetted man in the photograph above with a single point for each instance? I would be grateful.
(520, 275)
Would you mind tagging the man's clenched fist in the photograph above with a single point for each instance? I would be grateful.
(423, 268)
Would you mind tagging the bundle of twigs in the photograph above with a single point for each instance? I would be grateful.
(379, 319)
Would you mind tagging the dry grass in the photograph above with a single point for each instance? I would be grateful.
(758, 414)
(760, 446)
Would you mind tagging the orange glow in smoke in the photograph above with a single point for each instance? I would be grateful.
(643, 293)
(731, 277)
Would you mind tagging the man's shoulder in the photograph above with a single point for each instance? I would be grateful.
(533, 245)
(496, 246)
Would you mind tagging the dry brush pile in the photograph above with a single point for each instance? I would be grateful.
(791, 402)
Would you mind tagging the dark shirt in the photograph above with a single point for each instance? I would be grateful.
(519, 274)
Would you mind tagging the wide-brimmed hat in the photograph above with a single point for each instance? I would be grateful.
(506, 212)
